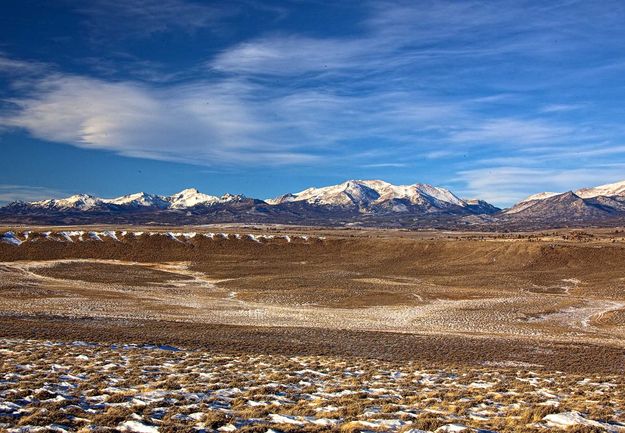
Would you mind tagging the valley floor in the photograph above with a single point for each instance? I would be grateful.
(312, 331)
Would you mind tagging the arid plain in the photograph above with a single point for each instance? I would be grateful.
(517, 304)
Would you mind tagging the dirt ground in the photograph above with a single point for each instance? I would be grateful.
(551, 299)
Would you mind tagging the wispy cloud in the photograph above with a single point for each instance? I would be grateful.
(430, 33)
(291, 55)
(143, 18)
(386, 165)
(14, 66)
(507, 185)
(555, 108)
(10, 193)
(515, 131)
(438, 154)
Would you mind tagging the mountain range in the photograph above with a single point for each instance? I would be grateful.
(355, 202)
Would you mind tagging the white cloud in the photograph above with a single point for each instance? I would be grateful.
(439, 154)
(223, 122)
(206, 124)
(397, 66)
(395, 34)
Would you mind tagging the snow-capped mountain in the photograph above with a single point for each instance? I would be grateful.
(586, 205)
(481, 207)
(185, 199)
(607, 190)
(346, 194)
(377, 195)
(359, 195)
(355, 201)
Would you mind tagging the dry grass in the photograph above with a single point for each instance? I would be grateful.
(93, 387)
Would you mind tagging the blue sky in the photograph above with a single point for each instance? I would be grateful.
(496, 100)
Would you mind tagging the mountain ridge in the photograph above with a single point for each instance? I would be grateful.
(351, 203)
(366, 202)
(606, 190)
(361, 194)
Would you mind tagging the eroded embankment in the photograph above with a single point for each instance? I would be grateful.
(401, 253)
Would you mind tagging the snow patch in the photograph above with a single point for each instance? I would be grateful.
(137, 427)
(11, 238)
(451, 428)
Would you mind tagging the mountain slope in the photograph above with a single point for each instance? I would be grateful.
(563, 207)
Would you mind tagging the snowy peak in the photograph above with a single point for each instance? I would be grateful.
(350, 193)
(190, 197)
(608, 190)
(231, 197)
(537, 201)
(285, 198)
(568, 208)
(188, 192)
(140, 199)
(481, 206)
(539, 196)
